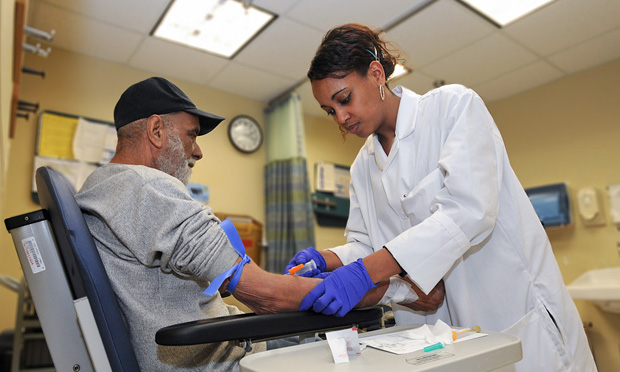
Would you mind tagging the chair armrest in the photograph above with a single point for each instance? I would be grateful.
(244, 327)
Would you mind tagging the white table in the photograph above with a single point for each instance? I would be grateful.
(481, 354)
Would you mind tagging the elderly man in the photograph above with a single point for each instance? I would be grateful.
(160, 247)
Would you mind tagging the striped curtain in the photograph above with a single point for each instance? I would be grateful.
(288, 209)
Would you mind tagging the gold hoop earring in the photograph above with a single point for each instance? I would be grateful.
(382, 92)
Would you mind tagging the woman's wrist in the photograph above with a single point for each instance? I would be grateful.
(381, 265)
(332, 261)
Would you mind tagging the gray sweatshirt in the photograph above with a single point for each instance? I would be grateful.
(160, 249)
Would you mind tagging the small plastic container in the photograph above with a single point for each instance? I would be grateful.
(303, 268)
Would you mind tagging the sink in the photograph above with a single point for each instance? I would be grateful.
(601, 286)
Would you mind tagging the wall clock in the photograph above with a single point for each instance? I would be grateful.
(245, 134)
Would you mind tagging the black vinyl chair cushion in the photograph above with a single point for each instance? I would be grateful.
(255, 327)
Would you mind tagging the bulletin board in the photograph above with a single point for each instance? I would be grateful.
(73, 145)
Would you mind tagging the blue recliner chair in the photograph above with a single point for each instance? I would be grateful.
(68, 282)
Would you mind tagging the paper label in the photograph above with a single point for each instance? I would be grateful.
(351, 337)
(34, 255)
(338, 346)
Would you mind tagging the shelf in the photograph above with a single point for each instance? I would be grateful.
(18, 59)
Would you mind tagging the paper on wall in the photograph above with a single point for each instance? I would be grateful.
(109, 146)
(56, 136)
(325, 177)
(89, 140)
(342, 179)
(330, 178)
(75, 171)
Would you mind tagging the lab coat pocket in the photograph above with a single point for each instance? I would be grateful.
(543, 348)
(417, 203)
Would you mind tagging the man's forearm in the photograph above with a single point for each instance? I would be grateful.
(373, 296)
(264, 292)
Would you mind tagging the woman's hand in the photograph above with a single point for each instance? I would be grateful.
(304, 257)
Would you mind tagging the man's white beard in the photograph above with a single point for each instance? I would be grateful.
(173, 161)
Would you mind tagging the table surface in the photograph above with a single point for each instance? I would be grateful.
(480, 354)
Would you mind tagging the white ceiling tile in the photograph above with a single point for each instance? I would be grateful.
(481, 61)
(265, 86)
(440, 39)
(565, 23)
(438, 30)
(327, 14)
(518, 81)
(417, 82)
(279, 7)
(136, 15)
(83, 35)
(160, 56)
(594, 52)
(285, 48)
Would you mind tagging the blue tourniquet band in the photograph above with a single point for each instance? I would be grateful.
(234, 271)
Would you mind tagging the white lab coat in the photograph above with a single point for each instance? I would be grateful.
(447, 204)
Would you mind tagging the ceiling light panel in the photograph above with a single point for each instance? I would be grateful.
(221, 27)
(399, 71)
(505, 12)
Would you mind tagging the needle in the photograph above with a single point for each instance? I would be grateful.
(473, 329)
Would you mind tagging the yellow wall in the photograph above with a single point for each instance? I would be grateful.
(324, 143)
(81, 85)
(568, 131)
(563, 131)
(85, 86)
(7, 18)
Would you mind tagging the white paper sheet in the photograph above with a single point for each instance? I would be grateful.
(75, 171)
(109, 146)
(325, 177)
(342, 179)
(411, 340)
(89, 140)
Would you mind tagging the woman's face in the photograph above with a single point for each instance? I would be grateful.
(353, 101)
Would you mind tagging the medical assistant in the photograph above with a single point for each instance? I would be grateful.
(446, 203)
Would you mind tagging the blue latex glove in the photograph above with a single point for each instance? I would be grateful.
(340, 291)
(305, 256)
(322, 275)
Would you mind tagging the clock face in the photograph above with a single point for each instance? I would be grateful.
(245, 134)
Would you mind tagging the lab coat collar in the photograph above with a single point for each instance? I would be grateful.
(407, 110)
(405, 120)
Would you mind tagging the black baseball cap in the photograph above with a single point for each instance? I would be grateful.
(158, 96)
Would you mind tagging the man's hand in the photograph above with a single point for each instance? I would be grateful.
(429, 302)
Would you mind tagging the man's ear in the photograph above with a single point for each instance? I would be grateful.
(154, 131)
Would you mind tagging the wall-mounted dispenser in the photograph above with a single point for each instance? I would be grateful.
(551, 204)
(590, 207)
